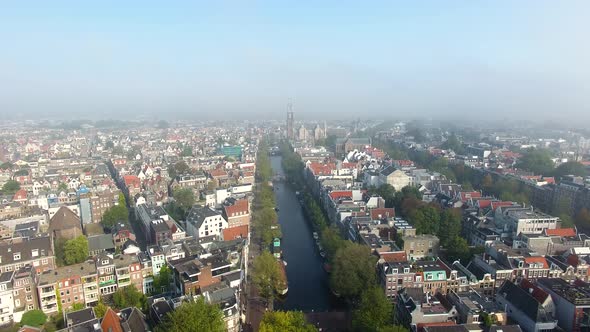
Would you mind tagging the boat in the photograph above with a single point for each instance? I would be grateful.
(283, 284)
(323, 254)
(277, 209)
(315, 235)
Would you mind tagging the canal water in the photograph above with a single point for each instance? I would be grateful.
(308, 282)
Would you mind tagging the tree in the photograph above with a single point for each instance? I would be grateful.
(266, 275)
(185, 198)
(76, 250)
(332, 241)
(33, 318)
(122, 200)
(487, 183)
(450, 226)
(62, 186)
(374, 312)
(162, 124)
(187, 151)
(537, 161)
(115, 214)
(10, 187)
(426, 220)
(162, 280)
(458, 249)
(452, 143)
(285, 321)
(353, 270)
(100, 309)
(196, 316)
(570, 168)
(109, 144)
(583, 218)
(7, 165)
(129, 296)
(77, 306)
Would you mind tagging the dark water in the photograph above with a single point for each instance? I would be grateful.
(308, 282)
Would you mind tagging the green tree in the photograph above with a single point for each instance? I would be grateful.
(285, 321)
(187, 151)
(109, 144)
(374, 312)
(7, 165)
(100, 309)
(487, 183)
(122, 201)
(426, 220)
(185, 198)
(162, 124)
(33, 318)
(162, 280)
(77, 306)
(115, 214)
(583, 217)
(196, 316)
(458, 249)
(76, 250)
(450, 226)
(180, 168)
(353, 270)
(62, 186)
(332, 241)
(537, 161)
(453, 143)
(10, 187)
(266, 275)
(129, 296)
(570, 168)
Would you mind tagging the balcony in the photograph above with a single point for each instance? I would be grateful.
(106, 283)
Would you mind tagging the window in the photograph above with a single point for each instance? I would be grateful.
(44, 261)
(16, 256)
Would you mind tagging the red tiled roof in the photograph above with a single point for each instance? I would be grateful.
(536, 260)
(549, 180)
(466, 195)
(131, 180)
(349, 165)
(539, 294)
(382, 213)
(340, 194)
(322, 169)
(561, 232)
(240, 208)
(484, 203)
(217, 173)
(233, 233)
(111, 322)
(496, 205)
(404, 162)
(20, 194)
(394, 257)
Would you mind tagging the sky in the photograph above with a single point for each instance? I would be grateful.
(247, 59)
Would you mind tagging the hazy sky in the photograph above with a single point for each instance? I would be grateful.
(464, 58)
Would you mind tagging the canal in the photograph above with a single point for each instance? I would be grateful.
(308, 282)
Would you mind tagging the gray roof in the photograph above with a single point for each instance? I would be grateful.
(100, 242)
(198, 214)
(26, 248)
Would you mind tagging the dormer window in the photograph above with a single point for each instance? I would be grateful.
(35, 252)
(16, 256)
(406, 270)
(105, 261)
